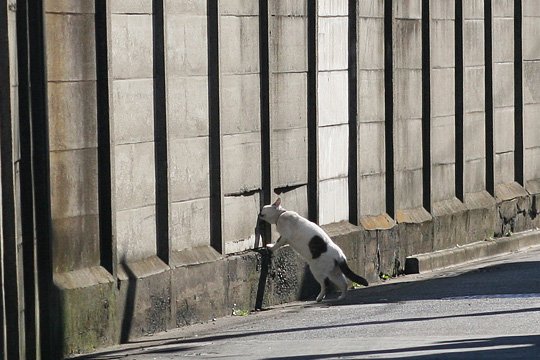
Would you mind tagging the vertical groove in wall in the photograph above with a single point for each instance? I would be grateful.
(160, 133)
(389, 108)
(26, 186)
(488, 51)
(50, 332)
(459, 153)
(9, 239)
(266, 180)
(353, 116)
(214, 127)
(104, 138)
(518, 95)
(313, 173)
(426, 107)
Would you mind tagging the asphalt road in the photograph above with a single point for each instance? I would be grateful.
(485, 310)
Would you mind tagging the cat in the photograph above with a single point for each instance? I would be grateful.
(325, 259)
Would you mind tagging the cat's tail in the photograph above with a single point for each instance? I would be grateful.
(350, 274)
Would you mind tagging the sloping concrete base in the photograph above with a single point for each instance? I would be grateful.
(482, 249)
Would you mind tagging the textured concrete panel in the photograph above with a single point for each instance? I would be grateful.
(473, 9)
(289, 157)
(332, 45)
(333, 7)
(442, 42)
(474, 136)
(332, 92)
(239, 50)
(131, 7)
(70, 47)
(503, 8)
(186, 7)
(532, 161)
(531, 8)
(503, 122)
(408, 144)
(531, 33)
(288, 100)
(288, 7)
(241, 169)
(187, 106)
(474, 175)
(370, 8)
(503, 84)
(333, 200)
(372, 192)
(371, 92)
(72, 115)
(411, 9)
(239, 221)
(370, 43)
(239, 7)
(408, 45)
(333, 151)
(474, 89)
(73, 183)
(371, 148)
(135, 184)
(133, 110)
(473, 42)
(442, 9)
(136, 233)
(503, 38)
(186, 45)
(443, 92)
(531, 81)
(68, 6)
(409, 190)
(75, 242)
(408, 94)
(240, 103)
(504, 167)
(190, 224)
(296, 200)
(189, 169)
(531, 134)
(288, 43)
(442, 181)
(443, 140)
(131, 46)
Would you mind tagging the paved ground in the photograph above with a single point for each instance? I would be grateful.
(486, 310)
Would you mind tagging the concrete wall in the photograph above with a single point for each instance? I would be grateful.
(227, 131)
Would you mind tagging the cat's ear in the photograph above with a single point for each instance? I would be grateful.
(277, 203)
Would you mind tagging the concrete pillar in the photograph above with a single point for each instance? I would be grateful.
(503, 90)
(132, 119)
(407, 56)
(442, 74)
(186, 48)
(474, 154)
(288, 67)
(333, 108)
(371, 108)
(71, 77)
(240, 122)
(531, 94)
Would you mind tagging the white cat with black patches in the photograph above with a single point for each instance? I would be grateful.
(325, 259)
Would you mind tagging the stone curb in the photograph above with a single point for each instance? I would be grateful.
(422, 263)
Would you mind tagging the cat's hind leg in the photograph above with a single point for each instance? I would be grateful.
(321, 279)
(340, 281)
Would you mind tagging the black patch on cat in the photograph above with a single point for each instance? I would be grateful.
(317, 246)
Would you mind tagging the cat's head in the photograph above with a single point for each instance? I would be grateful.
(270, 213)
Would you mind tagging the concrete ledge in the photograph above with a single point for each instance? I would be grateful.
(444, 258)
